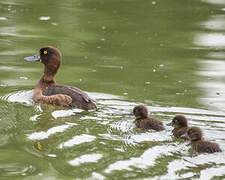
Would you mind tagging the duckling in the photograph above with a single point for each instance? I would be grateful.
(180, 124)
(143, 121)
(47, 91)
(198, 143)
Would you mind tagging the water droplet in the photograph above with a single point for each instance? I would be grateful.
(51, 155)
(54, 24)
(3, 18)
(44, 18)
(22, 77)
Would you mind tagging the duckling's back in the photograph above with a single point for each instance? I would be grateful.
(79, 98)
(150, 123)
(205, 146)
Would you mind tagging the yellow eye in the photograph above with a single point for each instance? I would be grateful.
(45, 52)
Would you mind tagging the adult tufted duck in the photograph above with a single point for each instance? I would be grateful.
(143, 121)
(47, 91)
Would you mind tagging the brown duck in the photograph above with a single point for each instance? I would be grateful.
(180, 124)
(143, 121)
(47, 91)
(198, 143)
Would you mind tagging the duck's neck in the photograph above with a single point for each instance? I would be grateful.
(140, 118)
(46, 81)
(198, 139)
(47, 78)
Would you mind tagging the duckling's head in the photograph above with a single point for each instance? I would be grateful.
(49, 56)
(195, 134)
(140, 111)
(179, 121)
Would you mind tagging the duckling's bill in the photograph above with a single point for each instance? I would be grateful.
(169, 124)
(32, 58)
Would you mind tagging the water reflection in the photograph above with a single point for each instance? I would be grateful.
(51, 131)
(220, 2)
(212, 68)
(76, 140)
(215, 23)
(88, 158)
(213, 40)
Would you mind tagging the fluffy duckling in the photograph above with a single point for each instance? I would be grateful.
(48, 92)
(198, 143)
(143, 121)
(180, 124)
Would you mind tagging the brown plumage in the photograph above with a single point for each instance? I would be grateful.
(198, 143)
(143, 121)
(48, 92)
(180, 124)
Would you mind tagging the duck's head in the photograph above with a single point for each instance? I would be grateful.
(49, 56)
(179, 121)
(194, 134)
(140, 111)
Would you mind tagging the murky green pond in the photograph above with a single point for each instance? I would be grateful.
(168, 55)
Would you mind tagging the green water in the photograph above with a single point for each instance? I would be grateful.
(168, 55)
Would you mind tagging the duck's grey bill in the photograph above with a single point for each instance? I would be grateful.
(32, 58)
(169, 124)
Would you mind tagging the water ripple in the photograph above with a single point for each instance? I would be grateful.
(112, 127)
(76, 140)
(87, 158)
(145, 160)
(51, 131)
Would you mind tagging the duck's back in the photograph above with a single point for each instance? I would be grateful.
(79, 98)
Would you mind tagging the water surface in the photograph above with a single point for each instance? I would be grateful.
(168, 55)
